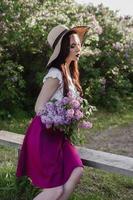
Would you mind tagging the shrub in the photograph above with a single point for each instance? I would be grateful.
(106, 63)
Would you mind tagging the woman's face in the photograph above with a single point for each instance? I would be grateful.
(75, 48)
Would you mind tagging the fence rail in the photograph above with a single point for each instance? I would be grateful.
(91, 158)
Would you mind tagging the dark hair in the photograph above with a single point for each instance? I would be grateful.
(59, 63)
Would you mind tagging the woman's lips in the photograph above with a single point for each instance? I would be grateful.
(78, 55)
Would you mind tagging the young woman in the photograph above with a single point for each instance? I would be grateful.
(47, 157)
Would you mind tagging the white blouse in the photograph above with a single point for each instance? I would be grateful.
(56, 73)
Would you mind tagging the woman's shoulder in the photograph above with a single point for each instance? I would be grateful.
(54, 73)
(54, 69)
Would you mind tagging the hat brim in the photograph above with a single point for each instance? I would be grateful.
(80, 30)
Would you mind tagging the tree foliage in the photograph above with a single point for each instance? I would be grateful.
(105, 66)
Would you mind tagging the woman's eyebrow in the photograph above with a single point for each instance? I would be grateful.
(75, 43)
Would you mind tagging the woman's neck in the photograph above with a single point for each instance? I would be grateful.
(67, 67)
(67, 63)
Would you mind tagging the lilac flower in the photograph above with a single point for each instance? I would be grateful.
(60, 110)
(48, 125)
(66, 114)
(65, 100)
(75, 103)
(58, 120)
(118, 46)
(78, 114)
(46, 119)
(67, 121)
(86, 125)
(80, 99)
(58, 103)
(70, 113)
(69, 94)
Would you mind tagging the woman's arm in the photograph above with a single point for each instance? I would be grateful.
(48, 89)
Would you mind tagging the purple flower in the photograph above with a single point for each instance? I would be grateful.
(86, 124)
(80, 99)
(67, 114)
(49, 106)
(65, 100)
(69, 94)
(78, 114)
(58, 120)
(70, 113)
(118, 46)
(48, 125)
(67, 121)
(58, 103)
(46, 119)
(75, 103)
(60, 111)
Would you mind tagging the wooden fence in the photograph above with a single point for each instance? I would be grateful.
(91, 158)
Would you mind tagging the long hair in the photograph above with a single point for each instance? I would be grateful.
(59, 63)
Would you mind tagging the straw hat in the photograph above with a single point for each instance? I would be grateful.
(55, 37)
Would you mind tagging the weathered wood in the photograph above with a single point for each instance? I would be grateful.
(93, 158)
(107, 161)
(11, 139)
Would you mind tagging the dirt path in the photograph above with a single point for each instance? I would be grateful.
(117, 140)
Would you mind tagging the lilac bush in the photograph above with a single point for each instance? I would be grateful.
(107, 51)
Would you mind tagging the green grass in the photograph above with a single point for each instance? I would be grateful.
(102, 119)
(16, 125)
(95, 184)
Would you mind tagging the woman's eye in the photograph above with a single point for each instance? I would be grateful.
(72, 46)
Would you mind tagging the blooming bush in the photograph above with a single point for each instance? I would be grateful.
(107, 52)
(108, 57)
(67, 114)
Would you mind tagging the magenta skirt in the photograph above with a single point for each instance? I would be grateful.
(47, 157)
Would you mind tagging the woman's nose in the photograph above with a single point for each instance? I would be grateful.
(78, 48)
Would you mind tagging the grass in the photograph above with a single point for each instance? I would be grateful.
(98, 184)
(95, 184)
(102, 119)
(17, 124)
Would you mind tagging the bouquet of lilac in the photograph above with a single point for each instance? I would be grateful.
(68, 114)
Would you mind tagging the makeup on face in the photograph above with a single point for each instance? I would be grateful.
(75, 46)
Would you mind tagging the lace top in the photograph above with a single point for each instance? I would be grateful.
(56, 73)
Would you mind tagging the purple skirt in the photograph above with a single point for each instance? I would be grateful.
(47, 157)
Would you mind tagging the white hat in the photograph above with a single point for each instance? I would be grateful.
(55, 37)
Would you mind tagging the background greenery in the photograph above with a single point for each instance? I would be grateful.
(106, 76)
(95, 184)
(105, 66)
